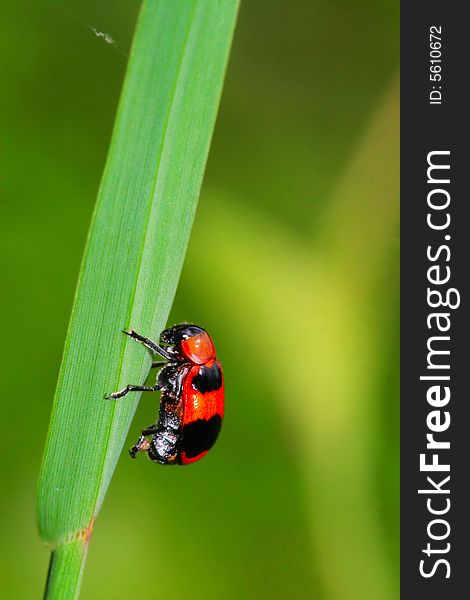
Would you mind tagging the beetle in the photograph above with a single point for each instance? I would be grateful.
(192, 396)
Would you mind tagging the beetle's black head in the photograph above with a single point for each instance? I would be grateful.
(176, 334)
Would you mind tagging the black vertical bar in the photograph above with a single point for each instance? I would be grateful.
(425, 128)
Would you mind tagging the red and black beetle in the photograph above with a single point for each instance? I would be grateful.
(192, 400)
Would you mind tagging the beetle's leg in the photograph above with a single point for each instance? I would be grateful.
(133, 388)
(150, 430)
(163, 451)
(159, 363)
(149, 344)
(179, 383)
(142, 446)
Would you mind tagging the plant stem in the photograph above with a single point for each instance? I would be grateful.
(66, 570)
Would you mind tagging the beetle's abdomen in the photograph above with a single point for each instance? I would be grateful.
(167, 433)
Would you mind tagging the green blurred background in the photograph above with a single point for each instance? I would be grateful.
(293, 268)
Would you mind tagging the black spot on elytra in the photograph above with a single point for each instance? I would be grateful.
(200, 435)
(208, 379)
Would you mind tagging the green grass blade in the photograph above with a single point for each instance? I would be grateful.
(135, 251)
(66, 570)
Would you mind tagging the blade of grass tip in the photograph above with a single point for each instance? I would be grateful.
(132, 262)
